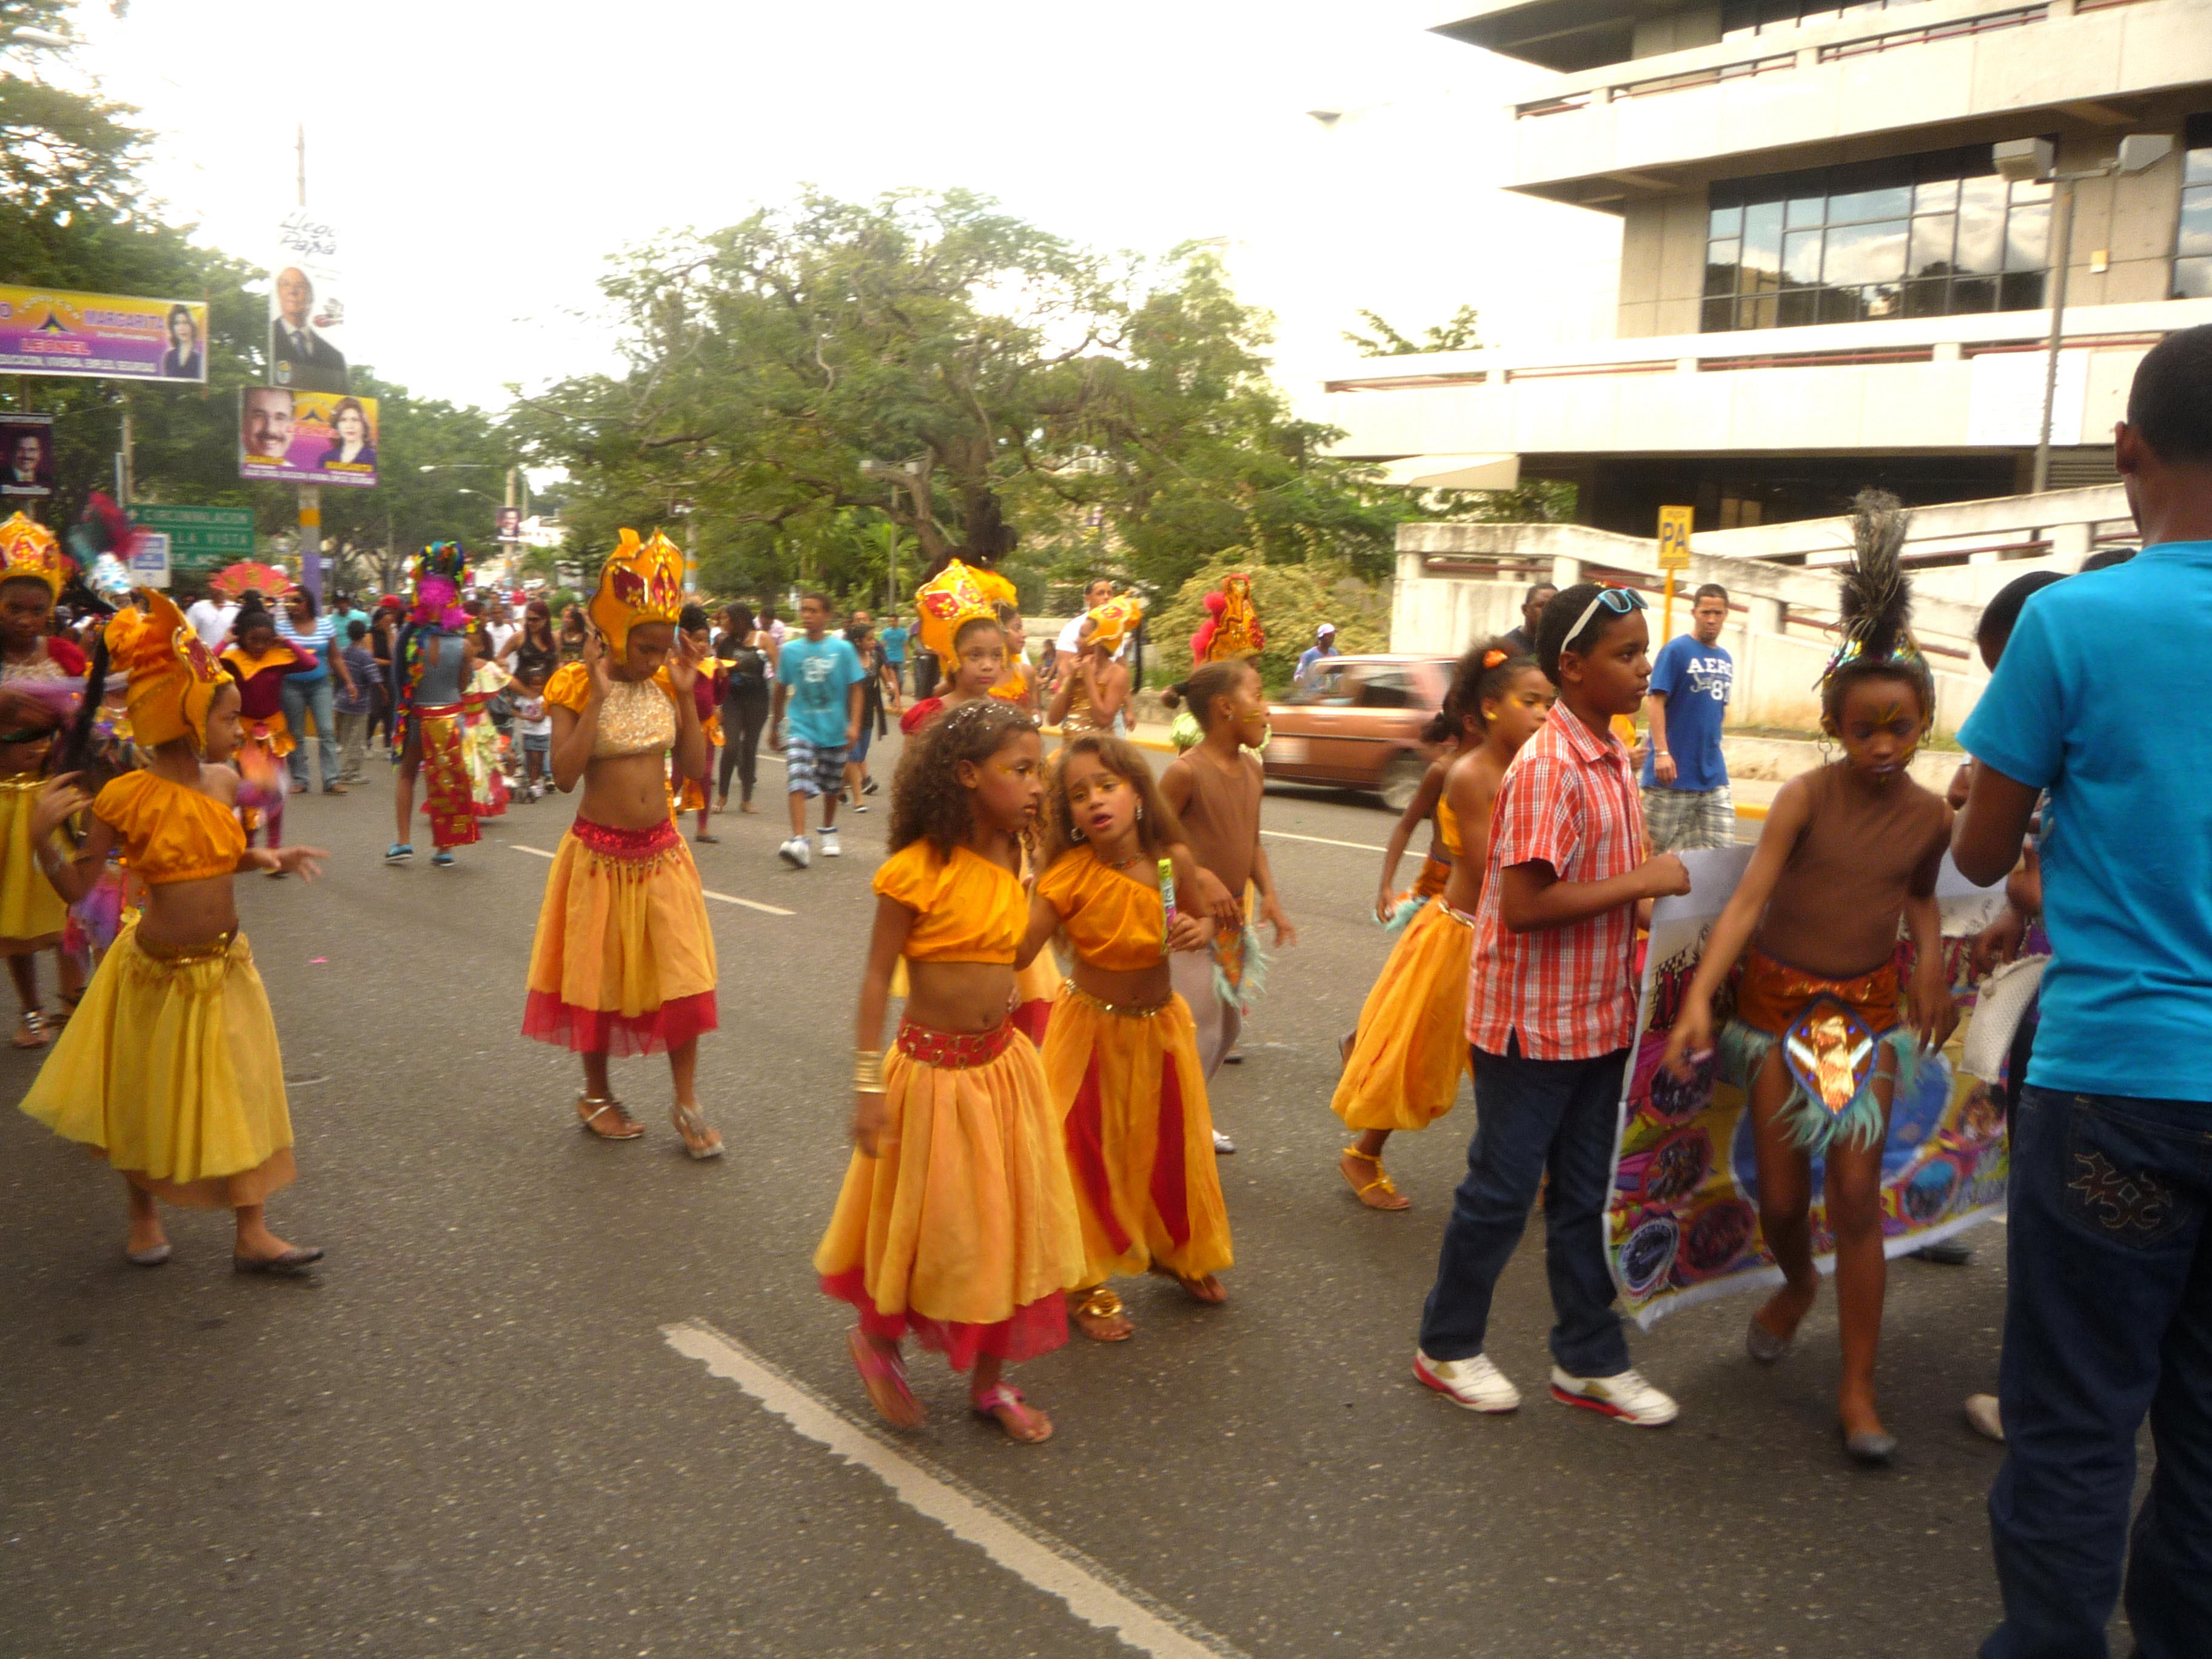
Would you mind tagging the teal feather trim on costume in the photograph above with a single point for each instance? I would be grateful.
(1246, 989)
(1403, 912)
(1743, 1050)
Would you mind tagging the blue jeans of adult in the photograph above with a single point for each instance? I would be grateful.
(1533, 1116)
(2108, 1316)
(299, 697)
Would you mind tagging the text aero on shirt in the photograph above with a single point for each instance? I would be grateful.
(1696, 680)
(817, 674)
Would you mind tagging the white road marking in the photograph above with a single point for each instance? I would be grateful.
(1323, 840)
(726, 898)
(1092, 1592)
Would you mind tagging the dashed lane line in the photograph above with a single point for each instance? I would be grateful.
(1323, 840)
(726, 898)
(1093, 1593)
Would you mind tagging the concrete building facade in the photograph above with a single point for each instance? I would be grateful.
(1824, 280)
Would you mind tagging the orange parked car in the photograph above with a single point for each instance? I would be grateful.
(1356, 725)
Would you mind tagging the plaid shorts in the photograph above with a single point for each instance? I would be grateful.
(811, 770)
(1679, 820)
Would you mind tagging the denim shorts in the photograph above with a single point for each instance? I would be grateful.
(537, 743)
(808, 770)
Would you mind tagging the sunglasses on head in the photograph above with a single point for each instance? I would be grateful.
(1618, 600)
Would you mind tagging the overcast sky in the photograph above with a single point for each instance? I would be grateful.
(482, 157)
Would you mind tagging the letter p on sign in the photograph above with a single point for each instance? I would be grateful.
(1675, 537)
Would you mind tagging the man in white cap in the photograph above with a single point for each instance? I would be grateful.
(1324, 645)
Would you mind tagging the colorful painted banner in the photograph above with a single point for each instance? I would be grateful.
(52, 330)
(1682, 1225)
(305, 437)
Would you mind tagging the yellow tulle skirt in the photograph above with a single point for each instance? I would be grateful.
(962, 1230)
(1132, 1095)
(623, 960)
(1411, 1051)
(31, 913)
(169, 1069)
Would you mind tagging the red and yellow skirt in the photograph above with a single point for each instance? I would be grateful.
(448, 799)
(624, 963)
(961, 1231)
(1132, 1094)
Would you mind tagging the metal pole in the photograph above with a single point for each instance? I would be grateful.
(2062, 245)
(311, 495)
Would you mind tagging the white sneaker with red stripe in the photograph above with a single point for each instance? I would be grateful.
(1626, 1396)
(1473, 1383)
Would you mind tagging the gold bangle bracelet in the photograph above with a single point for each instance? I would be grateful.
(868, 1071)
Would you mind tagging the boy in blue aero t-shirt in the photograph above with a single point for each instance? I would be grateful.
(819, 676)
(1686, 801)
(2100, 698)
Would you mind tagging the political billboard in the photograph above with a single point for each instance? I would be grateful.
(307, 306)
(26, 455)
(52, 330)
(305, 437)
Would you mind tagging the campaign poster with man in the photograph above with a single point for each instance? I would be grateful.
(510, 523)
(307, 306)
(305, 437)
(26, 455)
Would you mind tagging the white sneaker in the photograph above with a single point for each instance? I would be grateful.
(796, 852)
(829, 847)
(1474, 1383)
(1626, 1396)
(1222, 1143)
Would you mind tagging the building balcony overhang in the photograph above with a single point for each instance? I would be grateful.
(1943, 73)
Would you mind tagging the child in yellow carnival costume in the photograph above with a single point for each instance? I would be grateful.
(623, 962)
(1095, 687)
(955, 1224)
(170, 1069)
(1410, 1050)
(1120, 1055)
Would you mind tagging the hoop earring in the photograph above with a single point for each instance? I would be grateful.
(1075, 832)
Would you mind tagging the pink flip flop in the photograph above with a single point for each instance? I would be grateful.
(1004, 1397)
(883, 1376)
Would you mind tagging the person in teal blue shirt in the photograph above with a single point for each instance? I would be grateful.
(2104, 698)
(818, 675)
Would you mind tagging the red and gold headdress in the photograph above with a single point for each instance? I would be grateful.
(173, 677)
(953, 596)
(1114, 620)
(641, 582)
(1237, 632)
(28, 550)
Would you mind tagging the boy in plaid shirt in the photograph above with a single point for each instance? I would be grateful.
(1551, 1016)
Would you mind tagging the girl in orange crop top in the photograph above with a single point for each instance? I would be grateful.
(170, 1067)
(623, 960)
(1121, 1053)
(955, 1224)
(979, 661)
(1403, 1062)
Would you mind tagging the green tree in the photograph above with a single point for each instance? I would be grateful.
(1458, 333)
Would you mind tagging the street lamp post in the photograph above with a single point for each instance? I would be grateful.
(2033, 161)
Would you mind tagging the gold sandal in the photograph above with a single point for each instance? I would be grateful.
(1382, 1183)
(590, 1107)
(1100, 1302)
(31, 1031)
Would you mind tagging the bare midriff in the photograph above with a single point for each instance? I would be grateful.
(959, 996)
(1134, 988)
(1835, 910)
(183, 915)
(626, 792)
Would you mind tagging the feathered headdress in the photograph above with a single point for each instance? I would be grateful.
(173, 677)
(1239, 633)
(641, 582)
(440, 570)
(28, 550)
(1877, 594)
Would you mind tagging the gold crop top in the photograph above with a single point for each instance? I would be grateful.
(170, 831)
(1113, 919)
(966, 908)
(638, 717)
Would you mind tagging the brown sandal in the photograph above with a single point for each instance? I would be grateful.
(589, 1110)
(1378, 1193)
(1204, 1288)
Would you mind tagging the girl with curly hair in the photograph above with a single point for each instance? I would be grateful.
(1121, 1053)
(956, 1223)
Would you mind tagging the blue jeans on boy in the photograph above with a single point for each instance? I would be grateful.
(298, 696)
(1532, 1116)
(2108, 1317)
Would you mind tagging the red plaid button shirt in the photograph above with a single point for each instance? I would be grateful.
(1569, 799)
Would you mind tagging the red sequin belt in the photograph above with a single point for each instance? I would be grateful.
(638, 845)
(953, 1051)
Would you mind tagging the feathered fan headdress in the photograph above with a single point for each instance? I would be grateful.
(1877, 595)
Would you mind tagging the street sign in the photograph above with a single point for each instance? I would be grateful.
(201, 540)
(150, 561)
(1675, 537)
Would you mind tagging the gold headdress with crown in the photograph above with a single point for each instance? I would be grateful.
(1115, 620)
(173, 677)
(641, 582)
(953, 596)
(27, 549)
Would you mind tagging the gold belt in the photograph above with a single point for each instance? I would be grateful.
(1105, 1007)
(185, 956)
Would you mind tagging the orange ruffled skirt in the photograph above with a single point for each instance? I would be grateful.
(169, 1070)
(961, 1231)
(1411, 1049)
(1139, 1137)
(624, 963)
(32, 913)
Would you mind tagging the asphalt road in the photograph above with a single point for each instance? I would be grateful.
(469, 1434)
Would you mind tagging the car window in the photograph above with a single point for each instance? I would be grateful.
(1389, 688)
(1333, 685)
